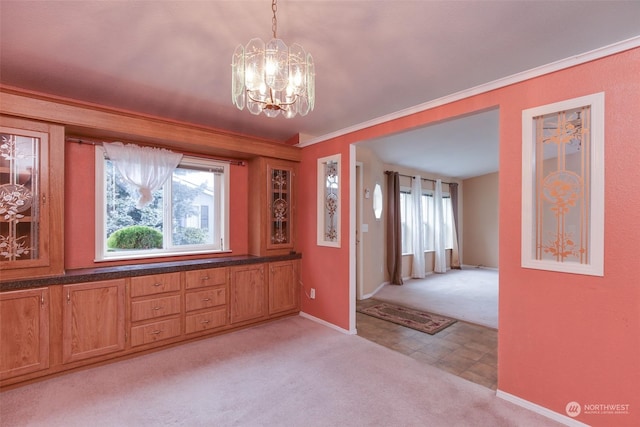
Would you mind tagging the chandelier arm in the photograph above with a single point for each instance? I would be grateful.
(254, 99)
(286, 104)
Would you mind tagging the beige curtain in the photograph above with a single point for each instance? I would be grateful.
(455, 254)
(394, 229)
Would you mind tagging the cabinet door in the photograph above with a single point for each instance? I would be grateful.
(24, 332)
(280, 208)
(93, 319)
(248, 293)
(272, 209)
(283, 287)
(31, 198)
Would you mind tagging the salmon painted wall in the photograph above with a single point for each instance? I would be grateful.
(565, 337)
(562, 337)
(326, 269)
(80, 210)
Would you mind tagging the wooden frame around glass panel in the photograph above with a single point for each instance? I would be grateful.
(563, 186)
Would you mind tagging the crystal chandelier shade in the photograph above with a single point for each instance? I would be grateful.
(272, 78)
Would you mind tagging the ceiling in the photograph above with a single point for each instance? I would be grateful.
(373, 58)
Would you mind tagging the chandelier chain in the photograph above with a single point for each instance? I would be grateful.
(274, 20)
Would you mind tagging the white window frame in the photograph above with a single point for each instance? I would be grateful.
(101, 253)
(595, 267)
(448, 213)
(431, 204)
(407, 247)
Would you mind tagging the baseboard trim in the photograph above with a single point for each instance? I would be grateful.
(568, 421)
(327, 324)
(367, 296)
(471, 267)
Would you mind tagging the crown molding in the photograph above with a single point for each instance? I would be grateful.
(572, 61)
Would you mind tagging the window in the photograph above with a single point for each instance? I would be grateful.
(428, 220)
(447, 209)
(189, 214)
(428, 224)
(405, 221)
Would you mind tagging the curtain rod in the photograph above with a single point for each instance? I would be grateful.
(424, 179)
(100, 143)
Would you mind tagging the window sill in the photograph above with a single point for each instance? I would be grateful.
(158, 255)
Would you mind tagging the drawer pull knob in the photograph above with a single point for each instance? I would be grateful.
(205, 278)
(156, 308)
(206, 299)
(157, 284)
(204, 322)
(156, 332)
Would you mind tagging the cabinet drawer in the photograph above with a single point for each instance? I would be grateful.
(149, 285)
(157, 307)
(206, 277)
(208, 320)
(157, 331)
(206, 298)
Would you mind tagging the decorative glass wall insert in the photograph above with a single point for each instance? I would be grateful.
(19, 196)
(563, 186)
(280, 202)
(329, 201)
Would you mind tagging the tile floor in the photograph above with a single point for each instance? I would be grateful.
(463, 349)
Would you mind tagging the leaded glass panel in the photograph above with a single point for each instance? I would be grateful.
(19, 195)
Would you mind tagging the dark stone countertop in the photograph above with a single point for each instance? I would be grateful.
(131, 270)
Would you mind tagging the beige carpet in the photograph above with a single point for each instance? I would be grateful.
(470, 295)
(292, 372)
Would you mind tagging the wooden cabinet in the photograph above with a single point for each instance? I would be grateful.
(24, 332)
(48, 330)
(156, 307)
(284, 295)
(93, 319)
(272, 209)
(206, 299)
(31, 198)
(248, 299)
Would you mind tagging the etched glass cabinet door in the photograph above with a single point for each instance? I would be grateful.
(26, 245)
(280, 192)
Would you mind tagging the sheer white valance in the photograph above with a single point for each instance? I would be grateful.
(146, 168)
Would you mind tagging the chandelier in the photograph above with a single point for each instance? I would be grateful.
(272, 78)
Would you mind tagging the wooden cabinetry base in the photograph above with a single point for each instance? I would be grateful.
(88, 324)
